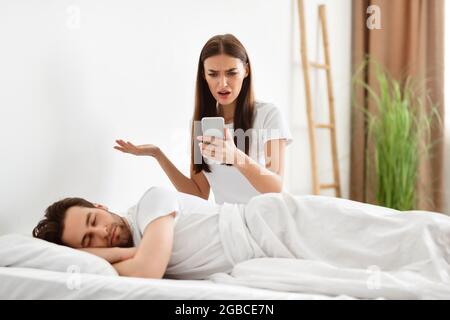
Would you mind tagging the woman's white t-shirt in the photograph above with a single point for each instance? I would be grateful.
(197, 248)
(227, 182)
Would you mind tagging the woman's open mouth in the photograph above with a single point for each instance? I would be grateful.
(224, 94)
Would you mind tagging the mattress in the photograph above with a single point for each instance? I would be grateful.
(28, 283)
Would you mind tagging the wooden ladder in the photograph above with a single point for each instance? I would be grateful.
(312, 126)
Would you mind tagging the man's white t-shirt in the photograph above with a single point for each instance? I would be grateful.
(197, 248)
(227, 182)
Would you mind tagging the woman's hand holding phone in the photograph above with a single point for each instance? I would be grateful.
(217, 149)
(138, 150)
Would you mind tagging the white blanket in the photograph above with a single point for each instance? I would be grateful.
(336, 246)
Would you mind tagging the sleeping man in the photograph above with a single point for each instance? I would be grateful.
(175, 235)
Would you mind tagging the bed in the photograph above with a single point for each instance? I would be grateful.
(30, 283)
(348, 250)
(32, 268)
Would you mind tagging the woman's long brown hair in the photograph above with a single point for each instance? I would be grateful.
(205, 104)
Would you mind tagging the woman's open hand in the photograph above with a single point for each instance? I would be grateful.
(139, 150)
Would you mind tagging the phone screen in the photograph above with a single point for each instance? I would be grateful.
(213, 126)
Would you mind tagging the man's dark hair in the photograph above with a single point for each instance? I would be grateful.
(50, 228)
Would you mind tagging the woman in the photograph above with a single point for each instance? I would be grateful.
(224, 89)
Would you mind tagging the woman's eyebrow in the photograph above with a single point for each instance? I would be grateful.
(232, 69)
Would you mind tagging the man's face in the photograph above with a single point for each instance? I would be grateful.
(95, 228)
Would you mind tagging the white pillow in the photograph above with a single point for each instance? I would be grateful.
(22, 251)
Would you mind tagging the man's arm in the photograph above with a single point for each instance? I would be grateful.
(112, 255)
(153, 253)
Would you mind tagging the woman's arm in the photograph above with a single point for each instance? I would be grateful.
(154, 251)
(265, 179)
(269, 178)
(112, 255)
(196, 185)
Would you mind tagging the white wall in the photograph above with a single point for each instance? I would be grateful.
(339, 29)
(127, 70)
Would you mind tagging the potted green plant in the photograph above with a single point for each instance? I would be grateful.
(399, 129)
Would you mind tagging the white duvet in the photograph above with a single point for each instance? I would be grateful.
(336, 246)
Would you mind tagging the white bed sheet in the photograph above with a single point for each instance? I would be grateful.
(28, 283)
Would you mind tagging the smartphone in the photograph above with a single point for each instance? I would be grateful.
(213, 126)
